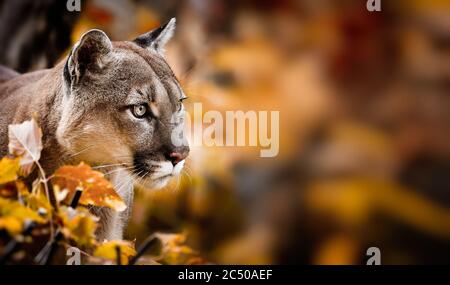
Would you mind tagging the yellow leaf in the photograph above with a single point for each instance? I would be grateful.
(13, 216)
(12, 225)
(108, 250)
(25, 141)
(9, 169)
(37, 201)
(22, 189)
(97, 191)
(80, 228)
(175, 251)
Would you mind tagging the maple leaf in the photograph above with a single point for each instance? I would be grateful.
(97, 191)
(108, 250)
(25, 141)
(9, 169)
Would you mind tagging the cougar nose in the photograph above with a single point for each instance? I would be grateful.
(178, 156)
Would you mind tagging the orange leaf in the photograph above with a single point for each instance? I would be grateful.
(97, 191)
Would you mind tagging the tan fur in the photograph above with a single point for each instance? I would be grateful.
(84, 107)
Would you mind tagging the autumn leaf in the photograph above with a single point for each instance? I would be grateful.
(13, 216)
(22, 189)
(79, 225)
(11, 224)
(25, 141)
(38, 201)
(175, 251)
(97, 191)
(14, 190)
(9, 169)
(8, 191)
(108, 250)
(82, 229)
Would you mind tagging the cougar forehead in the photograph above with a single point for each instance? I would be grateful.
(128, 69)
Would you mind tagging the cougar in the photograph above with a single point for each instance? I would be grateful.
(116, 106)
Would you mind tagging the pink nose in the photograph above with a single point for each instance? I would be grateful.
(176, 157)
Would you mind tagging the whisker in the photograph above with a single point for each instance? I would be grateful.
(139, 178)
(174, 187)
(188, 170)
(187, 175)
(123, 156)
(111, 165)
(119, 169)
(123, 184)
(81, 151)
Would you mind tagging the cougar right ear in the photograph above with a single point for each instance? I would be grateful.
(157, 38)
(88, 54)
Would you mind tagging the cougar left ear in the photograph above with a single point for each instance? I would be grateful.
(158, 38)
(88, 54)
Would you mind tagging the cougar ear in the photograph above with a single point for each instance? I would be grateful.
(88, 54)
(158, 38)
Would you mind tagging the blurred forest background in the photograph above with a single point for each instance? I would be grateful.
(364, 123)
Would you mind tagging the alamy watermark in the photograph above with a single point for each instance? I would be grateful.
(73, 5)
(229, 129)
(373, 5)
(73, 256)
(374, 254)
